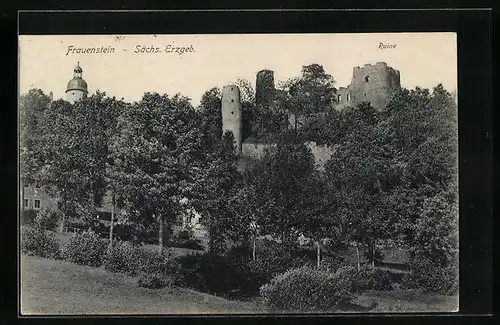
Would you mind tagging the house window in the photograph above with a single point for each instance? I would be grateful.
(367, 79)
(232, 100)
(365, 94)
(348, 97)
(26, 203)
(38, 203)
(339, 98)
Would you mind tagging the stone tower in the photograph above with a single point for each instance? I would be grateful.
(371, 83)
(264, 88)
(232, 113)
(77, 87)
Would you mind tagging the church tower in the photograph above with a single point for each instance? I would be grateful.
(77, 87)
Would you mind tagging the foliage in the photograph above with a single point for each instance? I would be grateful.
(369, 278)
(71, 152)
(85, 248)
(426, 275)
(154, 281)
(207, 272)
(155, 155)
(214, 190)
(276, 188)
(313, 92)
(123, 258)
(28, 217)
(307, 289)
(271, 260)
(39, 242)
(31, 111)
(47, 219)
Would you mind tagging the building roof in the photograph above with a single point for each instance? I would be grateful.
(77, 84)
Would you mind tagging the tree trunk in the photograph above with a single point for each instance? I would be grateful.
(253, 249)
(373, 254)
(318, 254)
(160, 234)
(357, 257)
(112, 220)
(63, 217)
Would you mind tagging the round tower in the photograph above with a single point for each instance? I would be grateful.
(77, 87)
(264, 87)
(232, 113)
(374, 83)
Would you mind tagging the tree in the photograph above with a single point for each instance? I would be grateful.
(155, 157)
(31, 109)
(364, 173)
(313, 92)
(276, 184)
(71, 151)
(214, 192)
(211, 112)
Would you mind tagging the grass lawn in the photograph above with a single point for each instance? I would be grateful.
(59, 287)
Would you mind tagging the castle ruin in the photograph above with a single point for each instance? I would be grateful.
(373, 83)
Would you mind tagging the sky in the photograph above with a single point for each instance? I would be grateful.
(423, 59)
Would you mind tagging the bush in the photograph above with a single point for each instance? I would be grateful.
(28, 217)
(47, 219)
(38, 242)
(154, 280)
(272, 261)
(372, 279)
(209, 272)
(308, 289)
(426, 275)
(152, 262)
(123, 258)
(86, 248)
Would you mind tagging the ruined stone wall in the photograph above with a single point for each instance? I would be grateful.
(264, 88)
(257, 150)
(232, 113)
(374, 83)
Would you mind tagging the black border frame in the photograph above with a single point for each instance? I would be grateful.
(474, 34)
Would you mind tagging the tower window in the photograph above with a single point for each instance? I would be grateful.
(367, 79)
(26, 203)
(348, 97)
(37, 204)
(339, 97)
(232, 113)
(365, 94)
(232, 100)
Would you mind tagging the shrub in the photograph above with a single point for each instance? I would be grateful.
(28, 217)
(273, 262)
(308, 289)
(47, 219)
(210, 272)
(86, 248)
(153, 262)
(426, 275)
(123, 258)
(372, 279)
(154, 280)
(39, 242)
